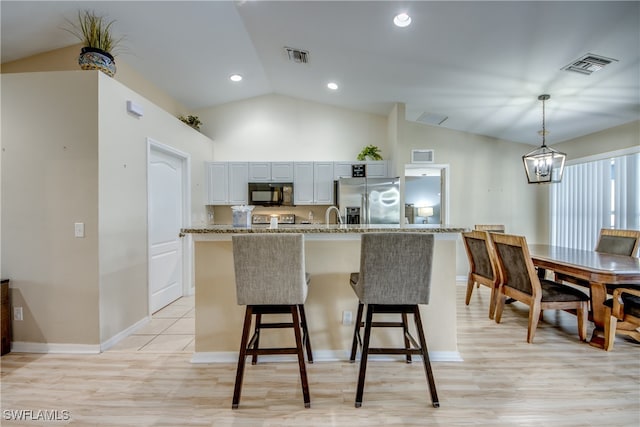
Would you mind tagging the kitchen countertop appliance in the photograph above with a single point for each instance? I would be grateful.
(286, 218)
(369, 200)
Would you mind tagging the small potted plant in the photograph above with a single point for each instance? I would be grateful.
(370, 152)
(192, 121)
(99, 44)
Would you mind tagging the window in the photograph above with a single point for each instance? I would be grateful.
(603, 193)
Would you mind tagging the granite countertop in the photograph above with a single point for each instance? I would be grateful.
(322, 228)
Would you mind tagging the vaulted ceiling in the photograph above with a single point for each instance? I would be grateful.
(481, 65)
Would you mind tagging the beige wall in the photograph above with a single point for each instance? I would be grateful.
(49, 182)
(275, 127)
(72, 153)
(329, 261)
(617, 138)
(66, 59)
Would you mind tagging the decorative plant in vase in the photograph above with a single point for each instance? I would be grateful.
(192, 121)
(94, 31)
(370, 152)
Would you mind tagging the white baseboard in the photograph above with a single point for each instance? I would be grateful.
(461, 280)
(38, 347)
(318, 356)
(106, 345)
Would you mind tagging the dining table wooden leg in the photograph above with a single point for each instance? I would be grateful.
(598, 293)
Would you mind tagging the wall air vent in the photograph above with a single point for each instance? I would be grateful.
(588, 64)
(422, 156)
(297, 55)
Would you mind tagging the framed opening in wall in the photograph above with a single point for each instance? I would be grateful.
(426, 193)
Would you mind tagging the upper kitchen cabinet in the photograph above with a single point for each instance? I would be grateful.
(323, 183)
(303, 183)
(238, 183)
(375, 169)
(227, 183)
(313, 183)
(271, 172)
(217, 176)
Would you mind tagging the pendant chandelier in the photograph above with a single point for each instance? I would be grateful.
(544, 165)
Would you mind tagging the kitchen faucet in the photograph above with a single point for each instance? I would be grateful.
(326, 214)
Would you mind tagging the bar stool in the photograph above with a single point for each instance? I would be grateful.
(270, 279)
(394, 277)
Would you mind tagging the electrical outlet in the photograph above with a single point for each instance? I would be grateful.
(347, 318)
(17, 313)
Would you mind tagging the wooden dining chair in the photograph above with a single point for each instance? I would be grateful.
(520, 281)
(622, 315)
(618, 242)
(611, 241)
(492, 228)
(482, 266)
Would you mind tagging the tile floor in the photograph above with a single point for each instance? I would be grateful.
(171, 330)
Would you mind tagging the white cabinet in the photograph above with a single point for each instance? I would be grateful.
(375, 169)
(303, 183)
(313, 183)
(227, 183)
(282, 171)
(323, 183)
(342, 170)
(270, 171)
(238, 180)
(217, 175)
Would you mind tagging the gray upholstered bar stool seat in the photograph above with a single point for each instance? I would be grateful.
(270, 279)
(394, 277)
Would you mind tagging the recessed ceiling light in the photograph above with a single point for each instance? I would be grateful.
(402, 20)
(332, 86)
(235, 77)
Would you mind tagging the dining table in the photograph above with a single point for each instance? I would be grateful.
(599, 269)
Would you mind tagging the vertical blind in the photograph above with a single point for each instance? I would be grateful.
(594, 195)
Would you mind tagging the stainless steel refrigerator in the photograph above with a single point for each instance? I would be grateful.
(369, 200)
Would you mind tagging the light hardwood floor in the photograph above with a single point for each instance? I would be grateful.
(503, 381)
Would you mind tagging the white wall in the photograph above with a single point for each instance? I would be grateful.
(123, 197)
(274, 127)
(73, 154)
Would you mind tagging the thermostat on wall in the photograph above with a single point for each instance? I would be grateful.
(135, 109)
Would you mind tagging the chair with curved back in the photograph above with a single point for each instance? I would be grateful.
(394, 277)
(482, 268)
(491, 228)
(519, 280)
(623, 315)
(270, 279)
(611, 241)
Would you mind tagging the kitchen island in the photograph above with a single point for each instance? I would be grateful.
(331, 252)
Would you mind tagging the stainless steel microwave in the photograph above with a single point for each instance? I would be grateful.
(271, 193)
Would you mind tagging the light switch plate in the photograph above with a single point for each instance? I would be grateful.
(79, 229)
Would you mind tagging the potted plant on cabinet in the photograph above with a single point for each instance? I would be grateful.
(99, 44)
(193, 121)
(369, 152)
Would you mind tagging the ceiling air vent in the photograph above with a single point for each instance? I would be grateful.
(297, 55)
(431, 118)
(588, 64)
(421, 156)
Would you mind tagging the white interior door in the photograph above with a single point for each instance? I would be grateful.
(166, 201)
